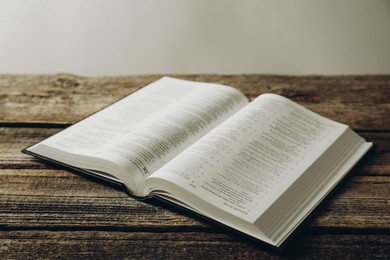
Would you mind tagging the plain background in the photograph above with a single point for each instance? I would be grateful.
(118, 37)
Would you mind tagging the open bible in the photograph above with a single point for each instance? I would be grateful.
(259, 167)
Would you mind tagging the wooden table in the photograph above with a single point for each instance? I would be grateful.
(49, 212)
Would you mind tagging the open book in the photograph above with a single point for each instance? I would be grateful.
(259, 167)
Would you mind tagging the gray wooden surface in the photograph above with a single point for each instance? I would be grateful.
(49, 212)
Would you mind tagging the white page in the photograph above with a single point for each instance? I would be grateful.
(145, 130)
(247, 162)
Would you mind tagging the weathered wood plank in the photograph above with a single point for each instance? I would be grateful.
(184, 245)
(13, 140)
(49, 198)
(65, 99)
(57, 214)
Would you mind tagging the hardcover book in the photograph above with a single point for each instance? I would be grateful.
(259, 167)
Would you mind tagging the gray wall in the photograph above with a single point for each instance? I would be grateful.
(96, 37)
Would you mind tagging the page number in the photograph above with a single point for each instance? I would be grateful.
(145, 170)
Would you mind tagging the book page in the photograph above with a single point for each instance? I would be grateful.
(151, 126)
(247, 162)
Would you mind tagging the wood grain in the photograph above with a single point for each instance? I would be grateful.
(54, 198)
(181, 245)
(49, 212)
(65, 98)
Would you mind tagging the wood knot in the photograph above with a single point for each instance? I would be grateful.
(66, 81)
